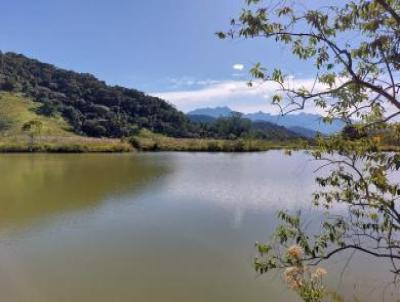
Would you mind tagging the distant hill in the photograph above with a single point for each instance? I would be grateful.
(304, 120)
(303, 123)
(260, 124)
(213, 112)
(201, 118)
(269, 130)
(304, 131)
(236, 125)
(89, 105)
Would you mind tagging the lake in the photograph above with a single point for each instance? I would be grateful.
(155, 227)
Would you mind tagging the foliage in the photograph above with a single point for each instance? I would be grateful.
(358, 74)
(32, 128)
(354, 47)
(5, 123)
(232, 127)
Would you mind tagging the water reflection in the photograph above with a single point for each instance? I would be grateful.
(259, 181)
(35, 186)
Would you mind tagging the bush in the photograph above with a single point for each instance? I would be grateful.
(94, 128)
(213, 146)
(5, 123)
(135, 143)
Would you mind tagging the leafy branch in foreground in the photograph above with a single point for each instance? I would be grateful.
(359, 180)
(354, 48)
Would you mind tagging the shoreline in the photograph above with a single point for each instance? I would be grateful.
(79, 144)
(61, 144)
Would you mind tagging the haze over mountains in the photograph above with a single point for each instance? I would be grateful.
(305, 124)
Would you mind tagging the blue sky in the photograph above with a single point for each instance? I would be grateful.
(163, 47)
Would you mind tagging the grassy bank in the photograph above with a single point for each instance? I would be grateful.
(73, 144)
(84, 144)
(147, 141)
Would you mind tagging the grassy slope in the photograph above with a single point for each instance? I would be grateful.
(55, 136)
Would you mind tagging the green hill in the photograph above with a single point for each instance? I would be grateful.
(91, 107)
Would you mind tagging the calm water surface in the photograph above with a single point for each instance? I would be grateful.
(154, 227)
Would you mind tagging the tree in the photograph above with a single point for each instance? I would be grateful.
(5, 122)
(355, 51)
(47, 109)
(231, 127)
(33, 129)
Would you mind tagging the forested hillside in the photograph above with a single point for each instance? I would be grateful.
(88, 104)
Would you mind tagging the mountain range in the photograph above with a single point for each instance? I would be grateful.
(305, 124)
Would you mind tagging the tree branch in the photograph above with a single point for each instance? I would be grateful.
(391, 11)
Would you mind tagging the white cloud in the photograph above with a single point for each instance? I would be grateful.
(235, 94)
(189, 82)
(239, 67)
